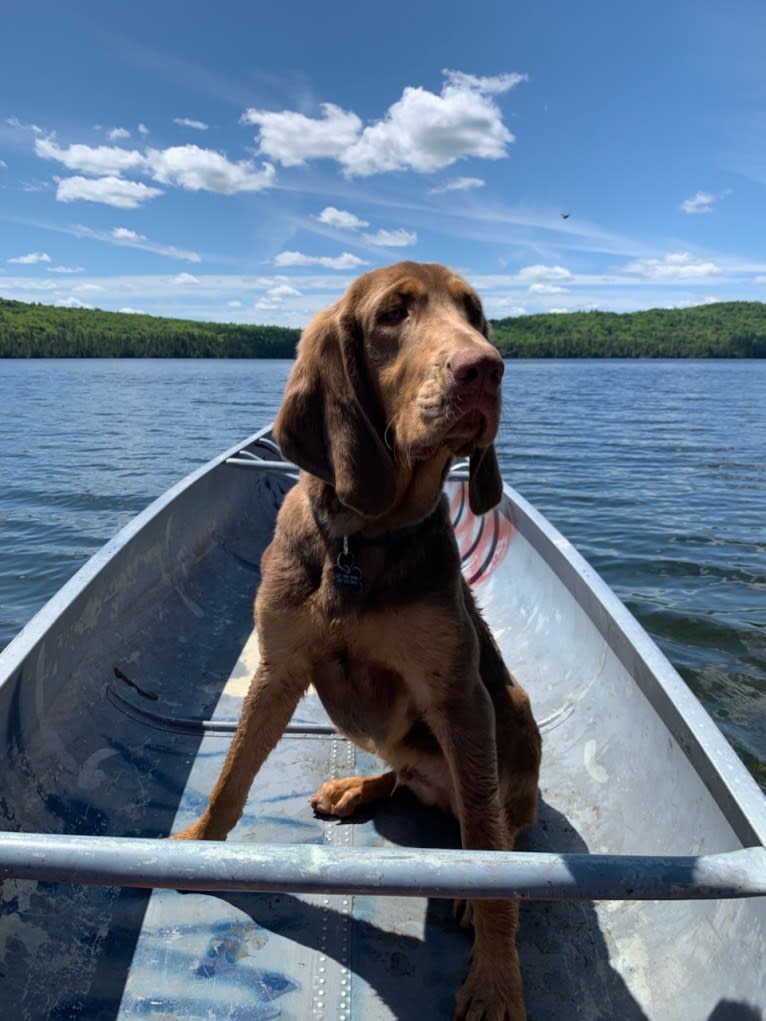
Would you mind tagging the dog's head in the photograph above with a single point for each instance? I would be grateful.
(399, 371)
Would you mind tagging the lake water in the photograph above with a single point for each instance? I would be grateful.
(655, 470)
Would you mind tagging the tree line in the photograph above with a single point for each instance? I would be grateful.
(44, 331)
(731, 329)
(735, 329)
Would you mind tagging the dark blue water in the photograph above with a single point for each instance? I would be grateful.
(656, 471)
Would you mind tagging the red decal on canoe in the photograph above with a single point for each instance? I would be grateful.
(482, 540)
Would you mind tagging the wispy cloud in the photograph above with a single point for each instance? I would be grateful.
(392, 238)
(125, 237)
(344, 261)
(16, 123)
(672, 267)
(458, 184)
(188, 122)
(31, 259)
(702, 201)
(538, 273)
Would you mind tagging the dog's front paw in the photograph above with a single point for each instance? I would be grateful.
(339, 797)
(491, 995)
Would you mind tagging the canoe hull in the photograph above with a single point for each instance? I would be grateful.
(627, 770)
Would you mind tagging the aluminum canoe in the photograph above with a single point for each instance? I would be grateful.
(643, 886)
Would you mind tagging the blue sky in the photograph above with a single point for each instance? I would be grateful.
(243, 162)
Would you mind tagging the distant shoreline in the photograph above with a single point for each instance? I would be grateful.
(720, 330)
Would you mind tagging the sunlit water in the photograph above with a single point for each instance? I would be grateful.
(656, 471)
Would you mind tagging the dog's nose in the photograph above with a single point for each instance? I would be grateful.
(475, 368)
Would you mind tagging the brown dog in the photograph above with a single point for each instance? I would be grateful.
(362, 593)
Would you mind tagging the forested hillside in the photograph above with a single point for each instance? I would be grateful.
(722, 330)
(42, 331)
(734, 329)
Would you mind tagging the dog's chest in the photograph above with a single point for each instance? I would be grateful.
(366, 700)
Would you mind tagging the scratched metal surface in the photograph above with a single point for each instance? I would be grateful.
(87, 752)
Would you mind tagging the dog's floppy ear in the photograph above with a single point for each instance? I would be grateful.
(327, 423)
(485, 485)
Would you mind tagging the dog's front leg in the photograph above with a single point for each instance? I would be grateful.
(465, 729)
(268, 706)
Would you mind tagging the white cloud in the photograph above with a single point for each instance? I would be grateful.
(66, 269)
(31, 259)
(185, 278)
(533, 274)
(187, 122)
(276, 296)
(88, 289)
(425, 132)
(132, 311)
(292, 138)
(702, 201)
(117, 133)
(3, 165)
(541, 288)
(340, 218)
(126, 235)
(187, 166)
(344, 261)
(458, 184)
(111, 190)
(196, 169)
(671, 267)
(143, 130)
(71, 302)
(392, 238)
(283, 291)
(99, 160)
(421, 131)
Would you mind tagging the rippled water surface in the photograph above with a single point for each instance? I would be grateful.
(655, 470)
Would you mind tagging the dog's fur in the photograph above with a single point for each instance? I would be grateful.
(389, 384)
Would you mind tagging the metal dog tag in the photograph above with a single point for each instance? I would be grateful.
(347, 578)
(345, 574)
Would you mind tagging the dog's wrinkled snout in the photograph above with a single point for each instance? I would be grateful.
(474, 368)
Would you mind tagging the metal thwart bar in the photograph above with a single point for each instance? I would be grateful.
(246, 459)
(254, 462)
(409, 872)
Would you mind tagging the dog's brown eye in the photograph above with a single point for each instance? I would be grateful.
(393, 316)
(473, 311)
